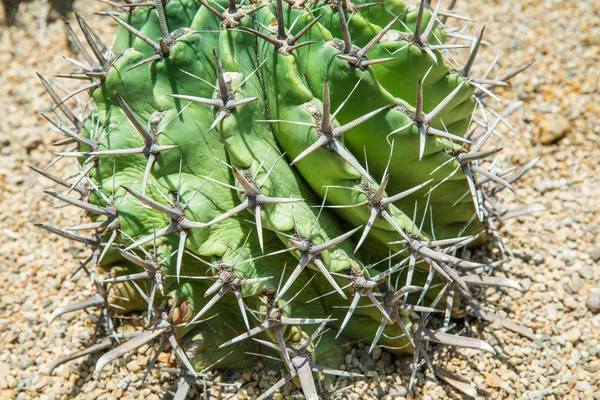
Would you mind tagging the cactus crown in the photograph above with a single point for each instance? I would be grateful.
(277, 178)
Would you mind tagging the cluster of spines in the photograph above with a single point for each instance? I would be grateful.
(439, 255)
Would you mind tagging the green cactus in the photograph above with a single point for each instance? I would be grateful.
(256, 173)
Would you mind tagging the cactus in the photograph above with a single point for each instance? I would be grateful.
(262, 178)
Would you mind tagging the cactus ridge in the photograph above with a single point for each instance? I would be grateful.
(276, 179)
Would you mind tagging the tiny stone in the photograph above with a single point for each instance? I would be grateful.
(553, 128)
(396, 390)
(575, 284)
(595, 254)
(25, 362)
(535, 395)
(22, 337)
(538, 259)
(575, 357)
(566, 377)
(551, 309)
(348, 358)
(386, 358)
(376, 353)
(143, 349)
(583, 386)
(371, 373)
(367, 362)
(247, 376)
(594, 348)
(570, 302)
(11, 337)
(572, 335)
(586, 273)
(133, 366)
(593, 301)
(122, 385)
(491, 380)
(379, 391)
(11, 382)
(40, 384)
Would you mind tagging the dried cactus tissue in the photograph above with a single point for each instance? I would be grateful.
(282, 184)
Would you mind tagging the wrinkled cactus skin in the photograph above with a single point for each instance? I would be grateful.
(241, 174)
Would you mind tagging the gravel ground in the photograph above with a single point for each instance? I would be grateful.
(556, 253)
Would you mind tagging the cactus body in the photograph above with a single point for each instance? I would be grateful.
(256, 173)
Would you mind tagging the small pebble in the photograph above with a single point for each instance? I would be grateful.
(376, 353)
(553, 128)
(395, 390)
(570, 302)
(593, 301)
(595, 254)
